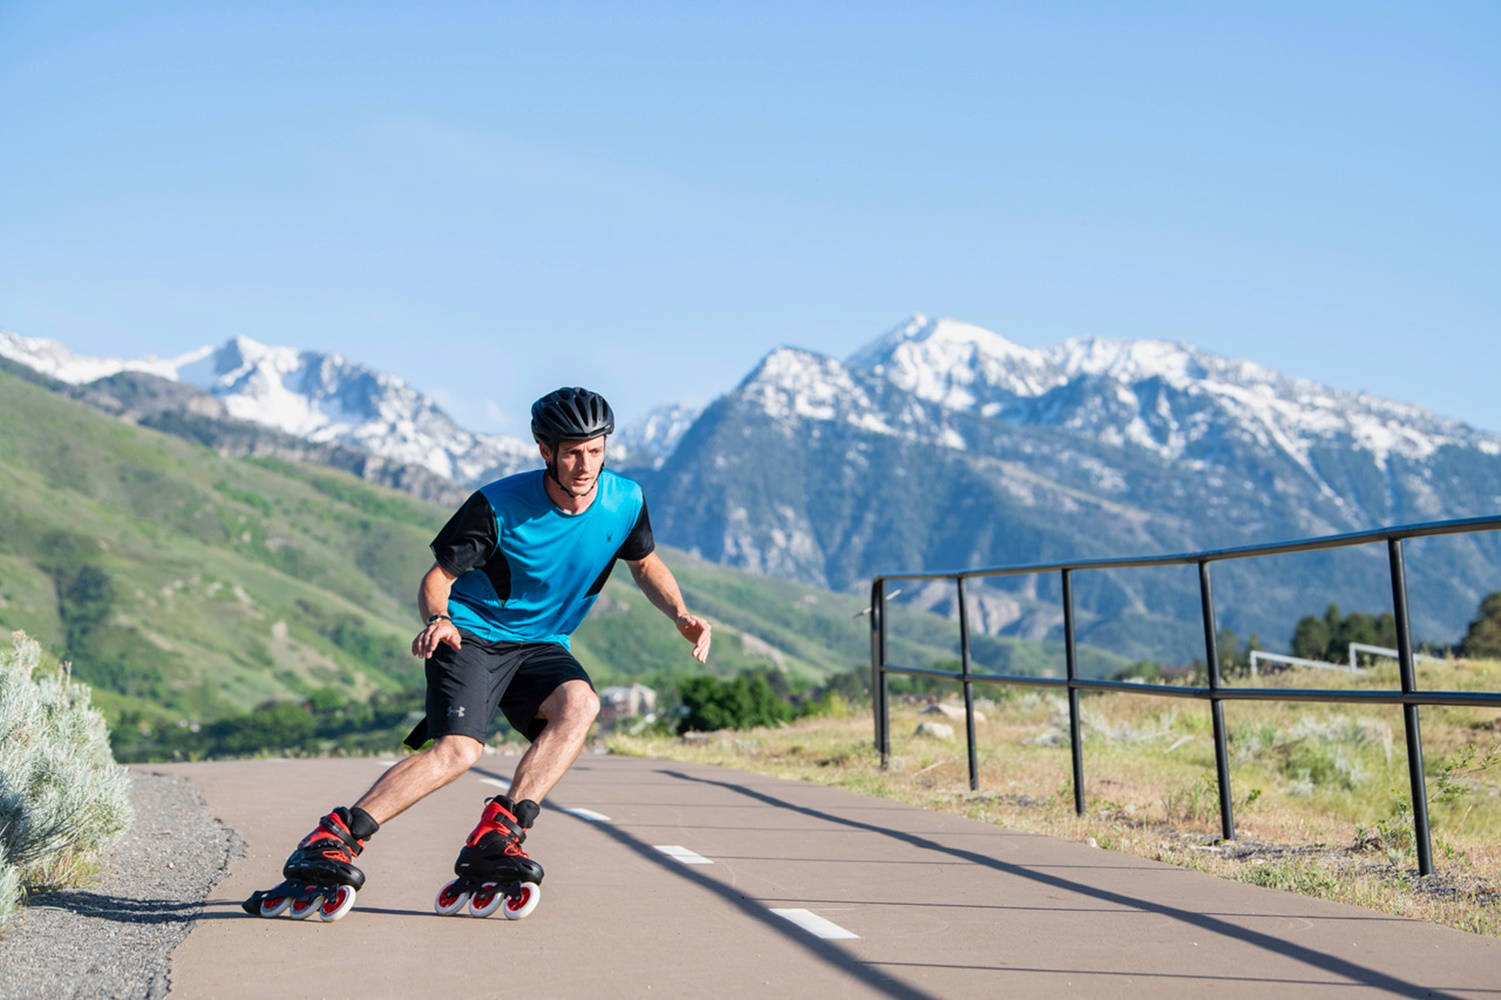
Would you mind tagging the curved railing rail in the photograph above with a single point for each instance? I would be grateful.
(1409, 697)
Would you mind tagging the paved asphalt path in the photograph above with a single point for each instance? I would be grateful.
(930, 905)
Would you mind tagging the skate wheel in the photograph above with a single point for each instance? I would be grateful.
(451, 899)
(523, 901)
(302, 908)
(272, 906)
(486, 900)
(338, 903)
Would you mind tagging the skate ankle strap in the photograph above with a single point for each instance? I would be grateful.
(503, 817)
(342, 832)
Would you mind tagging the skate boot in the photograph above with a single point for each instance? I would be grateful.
(320, 874)
(494, 873)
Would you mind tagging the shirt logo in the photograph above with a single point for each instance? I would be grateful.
(456, 710)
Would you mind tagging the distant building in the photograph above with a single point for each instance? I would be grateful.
(626, 702)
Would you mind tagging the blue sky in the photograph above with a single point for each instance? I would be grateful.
(493, 199)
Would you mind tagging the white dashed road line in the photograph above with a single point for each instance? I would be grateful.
(806, 919)
(679, 853)
(815, 925)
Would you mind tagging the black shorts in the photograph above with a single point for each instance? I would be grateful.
(466, 685)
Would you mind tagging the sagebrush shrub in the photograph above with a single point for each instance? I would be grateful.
(10, 888)
(62, 796)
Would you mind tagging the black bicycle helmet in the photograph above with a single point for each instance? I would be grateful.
(571, 414)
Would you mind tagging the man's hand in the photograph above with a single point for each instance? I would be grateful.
(432, 604)
(440, 631)
(696, 631)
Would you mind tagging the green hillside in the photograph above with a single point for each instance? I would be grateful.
(187, 586)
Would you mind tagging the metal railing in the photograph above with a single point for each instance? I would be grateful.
(1216, 693)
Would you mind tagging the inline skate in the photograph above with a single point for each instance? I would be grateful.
(494, 873)
(320, 876)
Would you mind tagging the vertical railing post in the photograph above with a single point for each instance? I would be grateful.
(1216, 706)
(876, 659)
(1421, 831)
(969, 690)
(1071, 668)
(883, 706)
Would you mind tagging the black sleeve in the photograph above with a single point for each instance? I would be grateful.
(639, 543)
(469, 537)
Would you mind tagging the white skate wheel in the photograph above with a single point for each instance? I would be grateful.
(523, 902)
(486, 900)
(450, 899)
(338, 903)
(272, 906)
(301, 909)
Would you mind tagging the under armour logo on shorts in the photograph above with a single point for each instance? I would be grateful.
(456, 710)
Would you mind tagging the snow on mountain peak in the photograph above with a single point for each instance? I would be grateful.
(1198, 396)
(941, 360)
(1130, 360)
(794, 383)
(53, 359)
(321, 397)
(930, 339)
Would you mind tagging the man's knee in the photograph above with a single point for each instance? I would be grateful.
(456, 754)
(574, 702)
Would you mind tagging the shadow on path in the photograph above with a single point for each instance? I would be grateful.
(122, 909)
(1339, 984)
(823, 950)
(1352, 971)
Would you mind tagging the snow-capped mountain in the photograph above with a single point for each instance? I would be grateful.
(328, 399)
(943, 445)
(967, 368)
(56, 361)
(323, 398)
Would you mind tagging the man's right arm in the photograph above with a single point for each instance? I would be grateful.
(432, 599)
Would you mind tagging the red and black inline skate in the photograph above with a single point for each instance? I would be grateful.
(320, 875)
(494, 873)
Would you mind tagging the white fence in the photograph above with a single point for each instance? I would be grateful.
(1356, 648)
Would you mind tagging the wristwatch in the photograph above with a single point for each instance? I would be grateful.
(437, 617)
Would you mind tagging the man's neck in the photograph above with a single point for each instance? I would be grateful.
(565, 501)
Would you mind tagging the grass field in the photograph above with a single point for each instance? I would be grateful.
(1320, 791)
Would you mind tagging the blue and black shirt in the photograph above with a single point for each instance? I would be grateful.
(527, 571)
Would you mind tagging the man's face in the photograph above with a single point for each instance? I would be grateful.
(579, 462)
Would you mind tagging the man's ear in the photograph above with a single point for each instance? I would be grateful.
(546, 452)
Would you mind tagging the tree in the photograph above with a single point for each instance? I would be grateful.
(1228, 644)
(1311, 635)
(1328, 638)
(1483, 640)
(742, 703)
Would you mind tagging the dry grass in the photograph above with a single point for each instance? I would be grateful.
(1320, 791)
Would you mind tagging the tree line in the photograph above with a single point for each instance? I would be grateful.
(1328, 637)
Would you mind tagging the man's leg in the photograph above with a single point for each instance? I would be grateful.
(421, 774)
(569, 711)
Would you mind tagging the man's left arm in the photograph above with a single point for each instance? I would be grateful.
(661, 588)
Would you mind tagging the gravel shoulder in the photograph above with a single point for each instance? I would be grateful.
(114, 937)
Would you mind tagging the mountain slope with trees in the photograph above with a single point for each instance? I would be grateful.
(188, 586)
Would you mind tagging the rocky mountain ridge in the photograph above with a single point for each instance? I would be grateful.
(944, 445)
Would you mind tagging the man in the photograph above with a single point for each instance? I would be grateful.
(516, 569)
